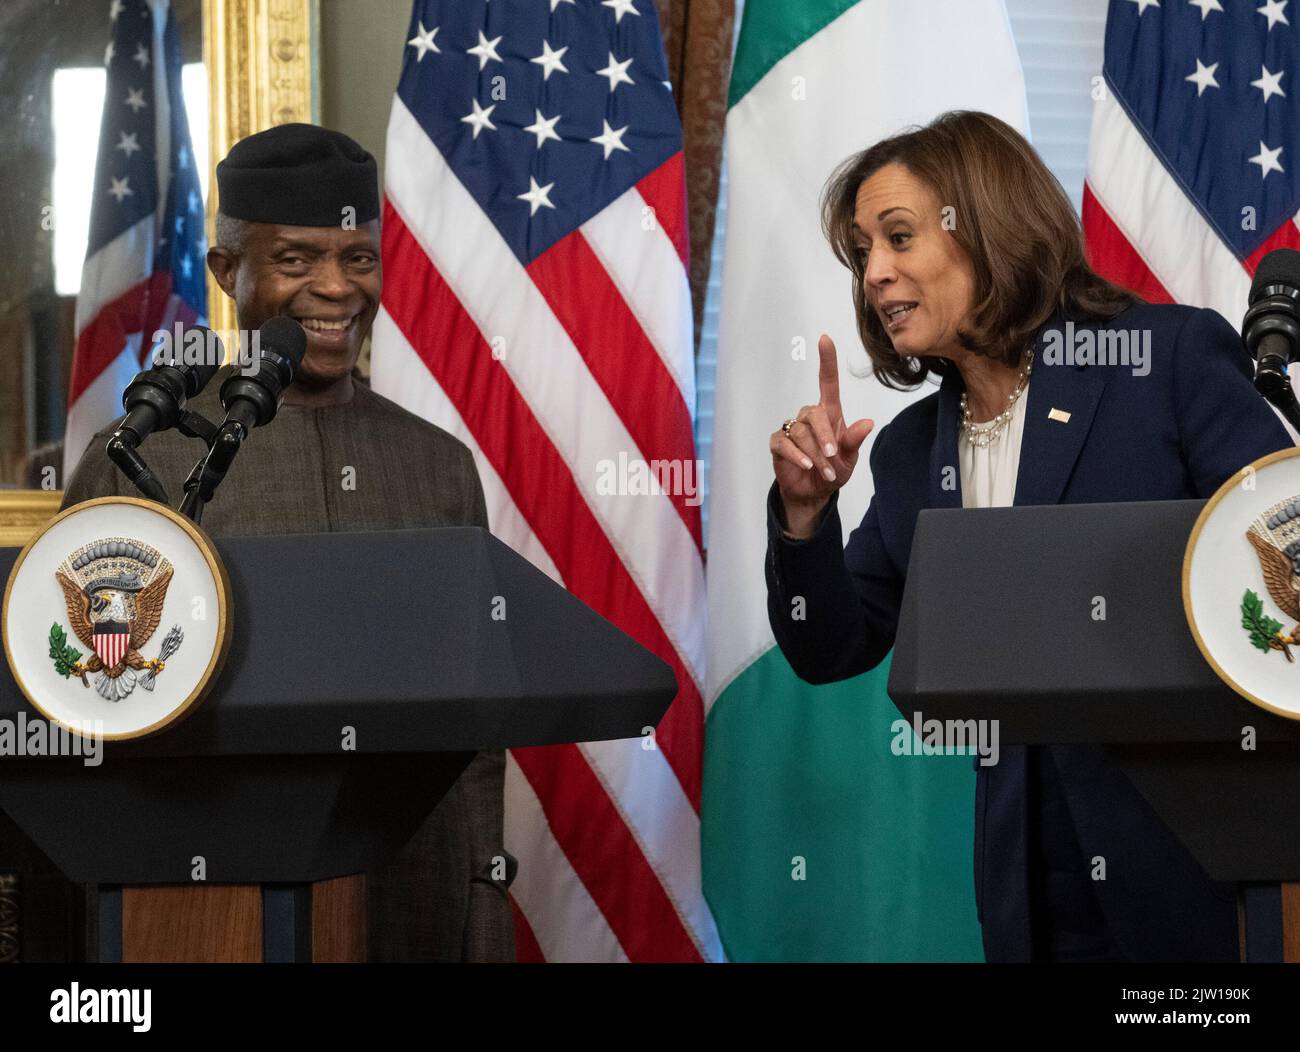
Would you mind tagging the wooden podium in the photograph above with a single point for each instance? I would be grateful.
(365, 671)
(323, 922)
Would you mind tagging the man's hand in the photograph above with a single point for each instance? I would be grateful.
(816, 454)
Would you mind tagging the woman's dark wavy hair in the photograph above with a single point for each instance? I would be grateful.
(1011, 218)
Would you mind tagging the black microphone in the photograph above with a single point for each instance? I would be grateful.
(155, 399)
(1271, 328)
(251, 399)
(252, 396)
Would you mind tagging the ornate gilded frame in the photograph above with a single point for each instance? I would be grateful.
(262, 58)
(23, 512)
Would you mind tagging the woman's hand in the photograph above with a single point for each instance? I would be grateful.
(819, 453)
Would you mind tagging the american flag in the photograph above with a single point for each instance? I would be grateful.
(1194, 160)
(144, 266)
(536, 305)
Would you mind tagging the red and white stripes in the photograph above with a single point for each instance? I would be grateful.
(546, 372)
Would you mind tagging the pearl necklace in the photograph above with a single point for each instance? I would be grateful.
(990, 431)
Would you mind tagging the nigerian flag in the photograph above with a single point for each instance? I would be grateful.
(819, 844)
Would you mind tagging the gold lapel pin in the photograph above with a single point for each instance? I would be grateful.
(1059, 415)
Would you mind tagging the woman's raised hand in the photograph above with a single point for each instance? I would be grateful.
(814, 454)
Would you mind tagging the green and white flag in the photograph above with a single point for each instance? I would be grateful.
(819, 844)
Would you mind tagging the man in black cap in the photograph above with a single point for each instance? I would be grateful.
(298, 235)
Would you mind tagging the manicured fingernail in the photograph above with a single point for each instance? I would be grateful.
(807, 463)
(830, 475)
(830, 449)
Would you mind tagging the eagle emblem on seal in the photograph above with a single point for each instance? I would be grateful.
(1275, 536)
(114, 590)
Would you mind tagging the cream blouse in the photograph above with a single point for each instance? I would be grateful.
(988, 473)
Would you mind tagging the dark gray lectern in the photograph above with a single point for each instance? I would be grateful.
(1135, 682)
(365, 671)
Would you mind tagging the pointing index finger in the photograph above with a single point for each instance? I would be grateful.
(828, 375)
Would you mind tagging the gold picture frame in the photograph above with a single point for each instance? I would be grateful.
(24, 513)
(263, 69)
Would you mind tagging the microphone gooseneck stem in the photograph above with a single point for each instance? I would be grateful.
(1273, 382)
(212, 467)
(191, 507)
(122, 452)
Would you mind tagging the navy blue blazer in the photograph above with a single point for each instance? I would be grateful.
(1175, 433)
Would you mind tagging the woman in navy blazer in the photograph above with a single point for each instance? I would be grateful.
(967, 263)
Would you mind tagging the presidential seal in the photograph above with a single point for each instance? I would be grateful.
(85, 610)
(1275, 536)
(115, 589)
(1241, 582)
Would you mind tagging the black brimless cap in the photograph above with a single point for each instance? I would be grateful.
(298, 175)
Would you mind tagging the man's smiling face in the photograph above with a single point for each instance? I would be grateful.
(326, 278)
